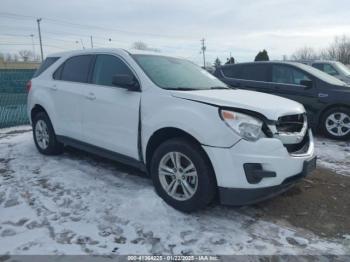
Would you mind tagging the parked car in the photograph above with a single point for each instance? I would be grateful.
(326, 99)
(194, 135)
(333, 68)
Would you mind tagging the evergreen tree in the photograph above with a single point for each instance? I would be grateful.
(217, 62)
(262, 56)
(230, 60)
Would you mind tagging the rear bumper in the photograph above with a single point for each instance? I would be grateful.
(248, 196)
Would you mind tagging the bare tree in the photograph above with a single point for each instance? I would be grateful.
(139, 45)
(8, 57)
(26, 55)
(305, 53)
(339, 50)
(15, 58)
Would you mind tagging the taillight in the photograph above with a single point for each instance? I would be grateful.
(29, 86)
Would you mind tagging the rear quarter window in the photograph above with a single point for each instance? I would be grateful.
(45, 65)
(232, 71)
(255, 72)
(75, 69)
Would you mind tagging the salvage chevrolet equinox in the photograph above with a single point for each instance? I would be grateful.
(197, 138)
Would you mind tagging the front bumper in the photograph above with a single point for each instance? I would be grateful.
(244, 196)
(271, 155)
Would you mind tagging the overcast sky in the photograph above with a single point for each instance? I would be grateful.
(176, 27)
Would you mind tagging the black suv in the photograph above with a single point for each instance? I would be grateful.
(326, 99)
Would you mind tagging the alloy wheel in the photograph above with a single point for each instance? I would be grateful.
(178, 176)
(41, 134)
(338, 124)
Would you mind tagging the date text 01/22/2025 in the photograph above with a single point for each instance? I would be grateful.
(173, 258)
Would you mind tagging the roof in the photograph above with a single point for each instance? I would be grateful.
(109, 50)
(264, 62)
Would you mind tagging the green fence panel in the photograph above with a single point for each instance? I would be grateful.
(13, 96)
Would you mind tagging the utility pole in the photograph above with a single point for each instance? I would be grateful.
(92, 43)
(203, 51)
(41, 44)
(82, 44)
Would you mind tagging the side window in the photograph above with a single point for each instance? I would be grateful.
(232, 71)
(255, 72)
(76, 69)
(106, 66)
(319, 66)
(45, 65)
(58, 73)
(287, 75)
(329, 69)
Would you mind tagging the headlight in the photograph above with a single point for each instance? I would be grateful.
(246, 126)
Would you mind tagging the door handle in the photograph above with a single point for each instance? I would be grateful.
(53, 88)
(90, 96)
(321, 95)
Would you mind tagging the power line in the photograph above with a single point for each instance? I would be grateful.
(60, 22)
(26, 44)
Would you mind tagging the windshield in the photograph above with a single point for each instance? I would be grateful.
(343, 68)
(321, 75)
(177, 74)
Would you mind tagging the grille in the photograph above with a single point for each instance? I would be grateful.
(299, 148)
(290, 124)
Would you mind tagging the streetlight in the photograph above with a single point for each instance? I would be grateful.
(33, 46)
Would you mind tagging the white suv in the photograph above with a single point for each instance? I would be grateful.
(198, 139)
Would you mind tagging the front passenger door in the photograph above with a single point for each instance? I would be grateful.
(111, 113)
(287, 79)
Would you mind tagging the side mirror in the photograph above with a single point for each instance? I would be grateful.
(307, 83)
(126, 81)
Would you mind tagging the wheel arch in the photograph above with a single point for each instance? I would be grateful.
(327, 108)
(37, 109)
(166, 133)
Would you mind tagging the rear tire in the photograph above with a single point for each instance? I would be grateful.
(335, 123)
(184, 162)
(44, 135)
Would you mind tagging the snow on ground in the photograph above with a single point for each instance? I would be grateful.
(334, 155)
(77, 204)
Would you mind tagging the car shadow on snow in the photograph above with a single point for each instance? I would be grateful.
(323, 194)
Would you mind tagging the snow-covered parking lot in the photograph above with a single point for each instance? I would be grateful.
(80, 204)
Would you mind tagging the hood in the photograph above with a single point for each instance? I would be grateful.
(270, 106)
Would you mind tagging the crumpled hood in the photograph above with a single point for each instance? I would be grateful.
(270, 106)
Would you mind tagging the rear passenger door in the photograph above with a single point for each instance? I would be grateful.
(255, 77)
(111, 113)
(67, 94)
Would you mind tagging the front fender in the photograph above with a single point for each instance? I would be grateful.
(200, 120)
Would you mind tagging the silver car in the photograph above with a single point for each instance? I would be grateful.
(333, 68)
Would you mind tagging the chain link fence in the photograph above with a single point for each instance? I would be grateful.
(13, 96)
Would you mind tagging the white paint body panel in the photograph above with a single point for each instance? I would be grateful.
(269, 105)
(111, 120)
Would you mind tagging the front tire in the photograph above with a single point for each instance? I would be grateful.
(182, 175)
(335, 123)
(44, 135)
